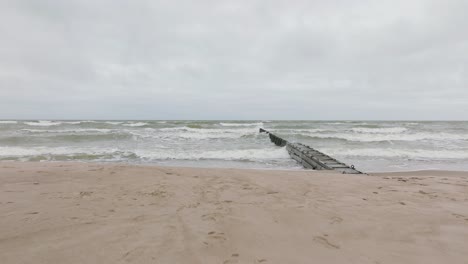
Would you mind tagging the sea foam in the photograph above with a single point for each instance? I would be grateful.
(43, 123)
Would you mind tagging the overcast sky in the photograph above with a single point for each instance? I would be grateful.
(112, 59)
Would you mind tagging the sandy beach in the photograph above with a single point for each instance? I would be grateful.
(114, 213)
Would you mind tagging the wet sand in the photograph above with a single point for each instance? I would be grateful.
(114, 213)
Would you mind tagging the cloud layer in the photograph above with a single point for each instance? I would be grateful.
(114, 59)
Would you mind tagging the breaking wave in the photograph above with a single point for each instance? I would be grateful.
(238, 154)
(398, 153)
(240, 124)
(113, 123)
(77, 130)
(231, 141)
(70, 153)
(383, 130)
(138, 124)
(8, 122)
(375, 137)
(43, 123)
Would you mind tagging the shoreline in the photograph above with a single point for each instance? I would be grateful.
(155, 165)
(79, 212)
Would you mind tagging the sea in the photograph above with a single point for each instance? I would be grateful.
(371, 146)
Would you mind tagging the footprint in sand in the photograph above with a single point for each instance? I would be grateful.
(100, 169)
(210, 217)
(458, 215)
(430, 195)
(84, 194)
(232, 260)
(162, 193)
(216, 236)
(322, 240)
(336, 220)
(246, 187)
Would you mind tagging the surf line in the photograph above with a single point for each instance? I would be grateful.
(311, 158)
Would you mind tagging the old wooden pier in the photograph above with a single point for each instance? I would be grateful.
(311, 158)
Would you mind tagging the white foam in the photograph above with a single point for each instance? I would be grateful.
(369, 137)
(194, 133)
(35, 151)
(8, 122)
(398, 153)
(241, 124)
(189, 133)
(113, 123)
(138, 124)
(216, 133)
(43, 123)
(155, 154)
(77, 130)
(382, 130)
(72, 122)
(238, 154)
(299, 131)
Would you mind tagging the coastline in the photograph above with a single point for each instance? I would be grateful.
(119, 213)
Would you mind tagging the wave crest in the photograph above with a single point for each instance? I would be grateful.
(43, 123)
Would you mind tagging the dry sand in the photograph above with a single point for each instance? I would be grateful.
(93, 213)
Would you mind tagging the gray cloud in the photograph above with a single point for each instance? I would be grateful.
(233, 59)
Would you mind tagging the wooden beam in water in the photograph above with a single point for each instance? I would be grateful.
(311, 158)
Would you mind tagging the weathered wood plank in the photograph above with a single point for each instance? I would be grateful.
(311, 158)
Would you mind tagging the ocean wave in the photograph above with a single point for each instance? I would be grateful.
(66, 138)
(72, 122)
(138, 124)
(398, 153)
(240, 124)
(70, 153)
(43, 123)
(207, 130)
(8, 122)
(77, 130)
(299, 131)
(34, 151)
(64, 154)
(193, 133)
(389, 137)
(113, 123)
(77, 122)
(238, 154)
(382, 130)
